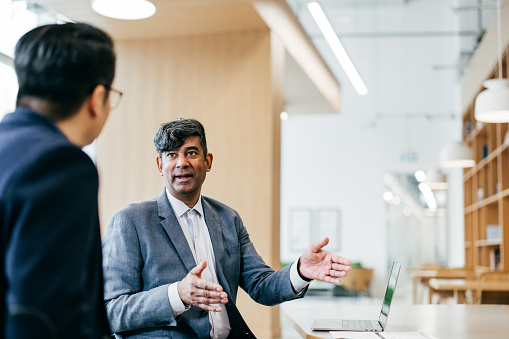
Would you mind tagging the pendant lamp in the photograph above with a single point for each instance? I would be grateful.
(436, 179)
(456, 155)
(124, 9)
(492, 104)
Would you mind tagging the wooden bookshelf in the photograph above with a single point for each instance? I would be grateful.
(486, 192)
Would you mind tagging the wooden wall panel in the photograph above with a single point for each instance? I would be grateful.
(228, 82)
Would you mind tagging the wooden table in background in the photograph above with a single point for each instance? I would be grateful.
(422, 277)
(442, 321)
(457, 287)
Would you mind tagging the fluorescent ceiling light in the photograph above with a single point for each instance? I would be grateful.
(428, 196)
(420, 176)
(124, 9)
(337, 48)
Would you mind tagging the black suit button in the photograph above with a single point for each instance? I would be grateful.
(203, 313)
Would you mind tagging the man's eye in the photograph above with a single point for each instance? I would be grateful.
(170, 155)
(191, 153)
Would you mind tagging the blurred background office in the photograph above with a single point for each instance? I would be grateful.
(345, 161)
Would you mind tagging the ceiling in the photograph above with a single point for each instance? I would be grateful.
(305, 93)
(410, 53)
(173, 17)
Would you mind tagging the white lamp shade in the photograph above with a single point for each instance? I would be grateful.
(436, 179)
(456, 155)
(492, 104)
(124, 9)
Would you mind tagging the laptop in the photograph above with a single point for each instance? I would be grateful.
(364, 325)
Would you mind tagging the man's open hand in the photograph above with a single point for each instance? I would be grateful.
(322, 265)
(193, 290)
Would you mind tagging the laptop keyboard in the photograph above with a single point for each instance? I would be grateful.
(361, 324)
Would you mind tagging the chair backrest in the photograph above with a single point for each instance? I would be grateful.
(358, 279)
(480, 271)
(494, 276)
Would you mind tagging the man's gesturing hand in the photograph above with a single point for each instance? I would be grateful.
(193, 290)
(322, 265)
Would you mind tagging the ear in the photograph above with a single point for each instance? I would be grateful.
(208, 161)
(98, 102)
(159, 164)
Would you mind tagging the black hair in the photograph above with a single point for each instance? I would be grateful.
(62, 64)
(171, 135)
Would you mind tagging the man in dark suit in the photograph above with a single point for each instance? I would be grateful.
(51, 277)
(173, 264)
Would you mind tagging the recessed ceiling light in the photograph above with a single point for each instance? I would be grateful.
(124, 9)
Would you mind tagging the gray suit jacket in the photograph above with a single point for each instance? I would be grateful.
(145, 250)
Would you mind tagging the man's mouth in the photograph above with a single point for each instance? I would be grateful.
(183, 176)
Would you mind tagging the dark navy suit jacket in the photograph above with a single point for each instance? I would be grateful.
(51, 276)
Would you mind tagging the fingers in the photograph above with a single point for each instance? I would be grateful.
(201, 293)
(199, 268)
(337, 274)
(317, 246)
(341, 267)
(332, 280)
(211, 308)
(340, 261)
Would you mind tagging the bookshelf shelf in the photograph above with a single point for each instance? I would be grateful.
(487, 243)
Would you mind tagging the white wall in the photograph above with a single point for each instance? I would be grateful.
(333, 161)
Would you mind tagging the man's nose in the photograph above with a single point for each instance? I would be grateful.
(182, 161)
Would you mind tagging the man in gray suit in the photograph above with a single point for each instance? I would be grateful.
(173, 264)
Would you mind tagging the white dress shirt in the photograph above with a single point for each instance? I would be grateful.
(195, 229)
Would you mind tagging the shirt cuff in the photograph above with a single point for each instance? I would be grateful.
(298, 283)
(176, 304)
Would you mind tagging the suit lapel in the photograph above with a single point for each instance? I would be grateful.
(172, 227)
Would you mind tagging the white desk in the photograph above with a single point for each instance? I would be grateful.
(442, 321)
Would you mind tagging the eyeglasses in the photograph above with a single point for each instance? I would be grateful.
(115, 96)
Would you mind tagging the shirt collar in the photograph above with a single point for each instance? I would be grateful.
(180, 208)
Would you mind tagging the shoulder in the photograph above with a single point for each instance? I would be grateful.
(61, 160)
(132, 220)
(139, 210)
(54, 162)
(217, 205)
(223, 211)
(139, 206)
(32, 146)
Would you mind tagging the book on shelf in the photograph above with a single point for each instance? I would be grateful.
(469, 127)
(485, 151)
(494, 259)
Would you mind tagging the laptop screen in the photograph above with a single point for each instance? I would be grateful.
(391, 286)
